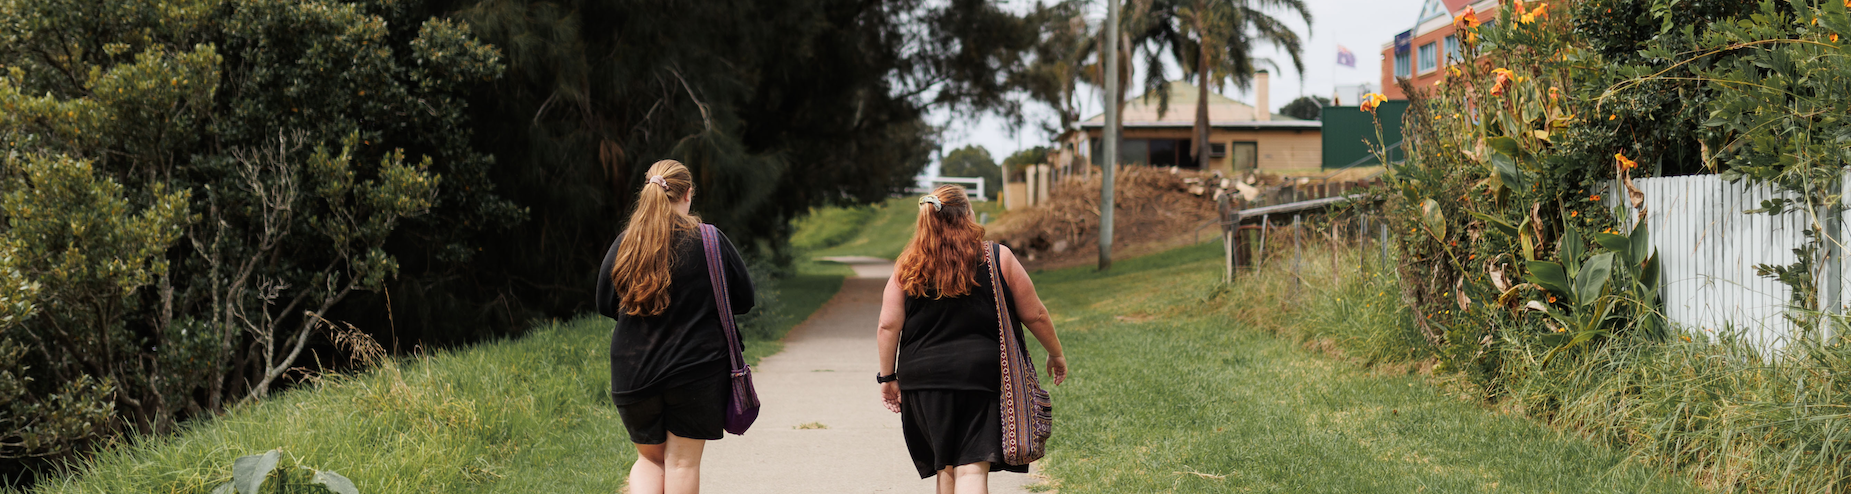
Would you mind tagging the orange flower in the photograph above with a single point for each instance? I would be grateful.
(1613, 116)
(1519, 5)
(1467, 19)
(1373, 100)
(1573, 214)
(1595, 198)
(1555, 93)
(1541, 10)
(1503, 81)
(1619, 160)
(1551, 299)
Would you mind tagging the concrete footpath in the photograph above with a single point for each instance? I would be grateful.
(822, 428)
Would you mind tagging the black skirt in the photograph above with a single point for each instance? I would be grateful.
(946, 428)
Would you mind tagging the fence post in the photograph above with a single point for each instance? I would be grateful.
(1265, 223)
(1363, 241)
(1384, 244)
(1223, 207)
(1298, 256)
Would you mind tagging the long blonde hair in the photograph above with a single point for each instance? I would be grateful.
(942, 258)
(641, 271)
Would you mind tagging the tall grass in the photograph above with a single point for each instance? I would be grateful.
(1714, 407)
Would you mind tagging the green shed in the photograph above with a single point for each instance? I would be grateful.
(1349, 133)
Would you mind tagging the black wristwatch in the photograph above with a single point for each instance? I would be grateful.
(878, 378)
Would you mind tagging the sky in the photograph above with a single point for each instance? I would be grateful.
(1360, 25)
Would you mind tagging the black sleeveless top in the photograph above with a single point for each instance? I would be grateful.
(952, 343)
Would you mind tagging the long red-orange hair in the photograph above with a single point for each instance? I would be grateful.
(641, 271)
(946, 252)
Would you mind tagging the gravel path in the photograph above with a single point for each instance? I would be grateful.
(822, 428)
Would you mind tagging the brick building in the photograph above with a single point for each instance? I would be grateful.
(1421, 54)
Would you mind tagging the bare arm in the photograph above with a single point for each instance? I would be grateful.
(887, 339)
(1034, 315)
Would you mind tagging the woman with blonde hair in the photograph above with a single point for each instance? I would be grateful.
(939, 336)
(670, 357)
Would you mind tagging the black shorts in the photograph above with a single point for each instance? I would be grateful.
(696, 410)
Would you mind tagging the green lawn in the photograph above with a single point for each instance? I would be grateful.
(1171, 393)
(878, 231)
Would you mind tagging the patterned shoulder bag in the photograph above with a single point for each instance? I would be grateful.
(1028, 411)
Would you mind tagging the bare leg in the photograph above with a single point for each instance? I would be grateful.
(947, 483)
(973, 478)
(682, 465)
(646, 474)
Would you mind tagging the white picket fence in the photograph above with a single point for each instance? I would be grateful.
(1708, 248)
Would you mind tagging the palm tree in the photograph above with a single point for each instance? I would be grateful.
(1213, 41)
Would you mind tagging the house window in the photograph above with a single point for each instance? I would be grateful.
(1428, 59)
(1246, 155)
(1153, 152)
(1452, 50)
(1402, 66)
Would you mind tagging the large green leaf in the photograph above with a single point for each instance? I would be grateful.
(1570, 249)
(1593, 277)
(1648, 274)
(1504, 143)
(1641, 244)
(1548, 275)
(1616, 243)
(334, 482)
(1527, 237)
(248, 472)
(1434, 220)
(1503, 226)
(1508, 173)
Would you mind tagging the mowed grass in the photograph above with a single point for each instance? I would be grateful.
(520, 416)
(877, 231)
(1170, 393)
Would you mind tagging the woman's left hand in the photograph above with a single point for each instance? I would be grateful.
(1057, 369)
(890, 396)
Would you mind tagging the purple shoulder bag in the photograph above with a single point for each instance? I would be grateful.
(742, 404)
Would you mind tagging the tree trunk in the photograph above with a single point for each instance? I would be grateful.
(1202, 78)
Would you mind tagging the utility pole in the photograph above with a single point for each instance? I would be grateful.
(1111, 134)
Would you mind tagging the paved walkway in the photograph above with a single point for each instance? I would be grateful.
(825, 376)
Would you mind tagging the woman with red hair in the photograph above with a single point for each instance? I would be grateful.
(939, 336)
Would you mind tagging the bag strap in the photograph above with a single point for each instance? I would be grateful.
(716, 274)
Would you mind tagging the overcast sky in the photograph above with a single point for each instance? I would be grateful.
(1360, 25)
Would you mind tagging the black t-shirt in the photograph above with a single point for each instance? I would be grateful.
(952, 343)
(682, 344)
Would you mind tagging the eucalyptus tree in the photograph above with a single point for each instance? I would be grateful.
(1213, 41)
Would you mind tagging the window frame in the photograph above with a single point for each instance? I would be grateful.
(1428, 58)
(1404, 64)
(1452, 50)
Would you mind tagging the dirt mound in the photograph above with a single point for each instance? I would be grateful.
(1155, 209)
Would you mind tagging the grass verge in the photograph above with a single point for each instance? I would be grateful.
(880, 230)
(1181, 384)
(517, 416)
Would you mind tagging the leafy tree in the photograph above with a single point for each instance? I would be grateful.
(1305, 107)
(973, 161)
(196, 187)
(776, 106)
(1020, 160)
(1213, 41)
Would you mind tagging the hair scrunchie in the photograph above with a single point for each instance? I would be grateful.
(937, 205)
(659, 182)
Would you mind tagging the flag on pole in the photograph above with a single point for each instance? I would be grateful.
(1345, 58)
